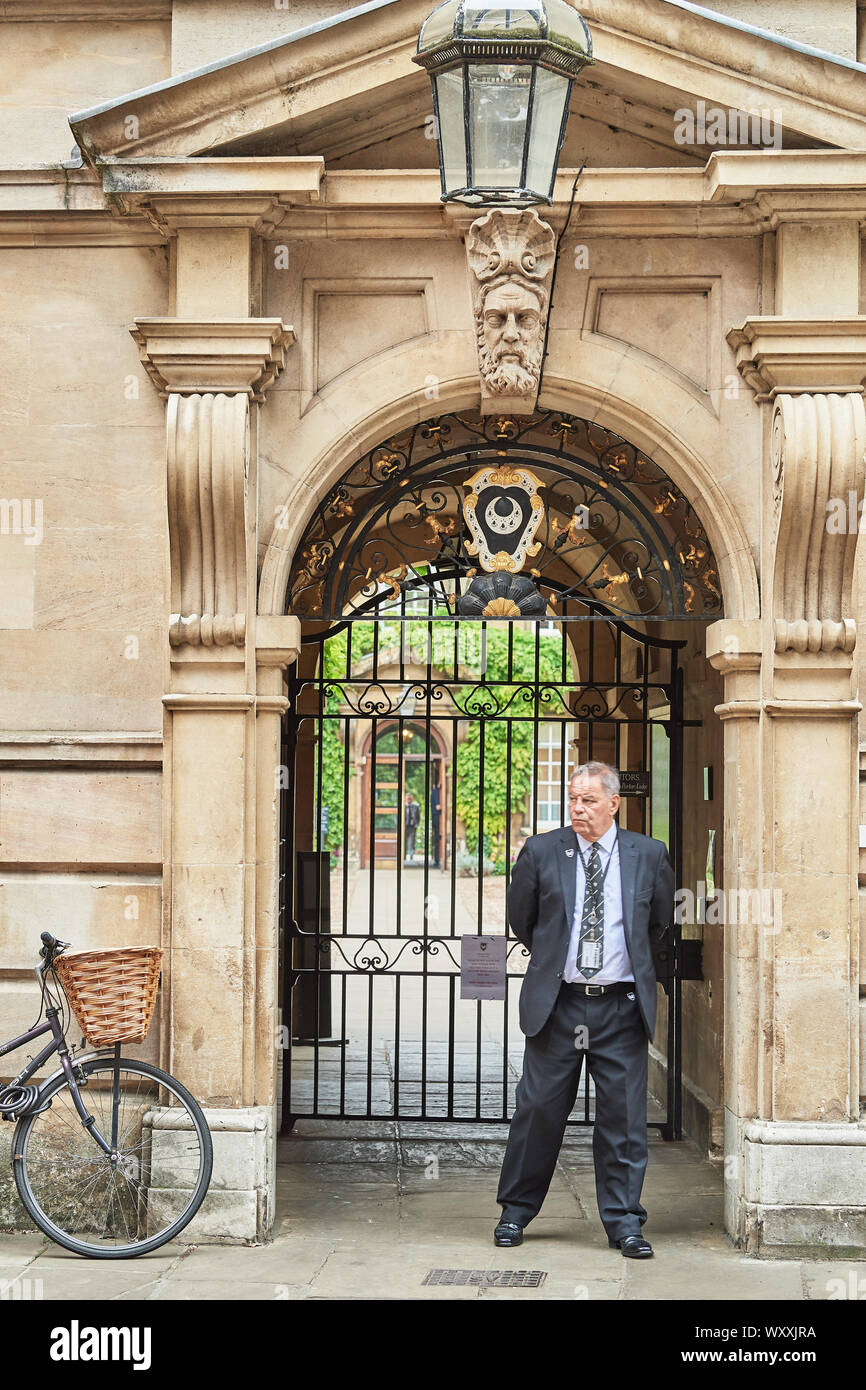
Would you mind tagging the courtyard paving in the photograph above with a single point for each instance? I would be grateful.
(367, 1210)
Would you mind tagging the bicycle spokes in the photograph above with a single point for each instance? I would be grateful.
(103, 1202)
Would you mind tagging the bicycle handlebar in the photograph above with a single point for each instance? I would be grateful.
(51, 947)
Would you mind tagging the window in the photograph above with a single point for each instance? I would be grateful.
(551, 803)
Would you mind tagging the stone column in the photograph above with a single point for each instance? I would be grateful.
(734, 649)
(222, 706)
(795, 1137)
(278, 641)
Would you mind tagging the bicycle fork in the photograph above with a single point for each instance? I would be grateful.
(89, 1121)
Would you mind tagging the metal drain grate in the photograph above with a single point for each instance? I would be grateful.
(500, 1278)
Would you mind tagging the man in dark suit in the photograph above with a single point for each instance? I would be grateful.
(411, 819)
(587, 901)
(435, 816)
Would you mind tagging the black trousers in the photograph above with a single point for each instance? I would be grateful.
(410, 841)
(616, 1050)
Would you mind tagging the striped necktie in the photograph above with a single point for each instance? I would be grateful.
(590, 946)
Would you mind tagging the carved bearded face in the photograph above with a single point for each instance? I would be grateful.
(510, 338)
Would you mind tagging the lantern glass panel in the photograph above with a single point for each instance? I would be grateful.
(552, 91)
(452, 128)
(512, 21)
(438, 26)
(498, 109)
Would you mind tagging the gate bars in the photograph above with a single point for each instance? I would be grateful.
(370, 943)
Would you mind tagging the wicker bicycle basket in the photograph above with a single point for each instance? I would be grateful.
(113, 992)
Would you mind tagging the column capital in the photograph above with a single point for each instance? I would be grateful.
(734, 645)
(226, 356)
(278, 640)
(776, 354)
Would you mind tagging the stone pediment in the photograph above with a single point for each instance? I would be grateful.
(345, 89)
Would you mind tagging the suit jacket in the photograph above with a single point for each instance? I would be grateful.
(541, 899)
(412, 814)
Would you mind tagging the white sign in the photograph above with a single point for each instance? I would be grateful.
(482, 967)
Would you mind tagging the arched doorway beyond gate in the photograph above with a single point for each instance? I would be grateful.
(403, 761)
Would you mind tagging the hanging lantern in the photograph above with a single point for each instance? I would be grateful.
(502, 78)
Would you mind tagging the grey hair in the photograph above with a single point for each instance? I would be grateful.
(609, 775)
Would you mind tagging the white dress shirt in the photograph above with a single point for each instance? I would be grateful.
(616, 962)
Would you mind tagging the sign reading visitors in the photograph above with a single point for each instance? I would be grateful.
(634, 784)
(482, 967)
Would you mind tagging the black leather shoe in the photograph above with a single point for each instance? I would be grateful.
(508, 1233)
(633, 1247)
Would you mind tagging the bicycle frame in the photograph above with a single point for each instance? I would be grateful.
(58, 1044)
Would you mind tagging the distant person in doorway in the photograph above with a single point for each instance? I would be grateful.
(435, 815)
(411, 817)
(587, 901)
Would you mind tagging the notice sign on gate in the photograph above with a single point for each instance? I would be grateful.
(482, 967)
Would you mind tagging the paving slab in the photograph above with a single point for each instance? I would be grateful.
(835, 1280)
(292, 1259)
(337, 1175)
(15, 1245)
(710, 1274)
(393, 1274)
(228, 1290)
(341, 1129)
(317, 1150)
(453, 1206)
(593, 1290)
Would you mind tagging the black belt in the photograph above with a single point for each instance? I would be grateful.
(619, 987)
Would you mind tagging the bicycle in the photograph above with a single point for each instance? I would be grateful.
(98, 1154)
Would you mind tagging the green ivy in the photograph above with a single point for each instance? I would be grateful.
(499, 753)
(490, 737)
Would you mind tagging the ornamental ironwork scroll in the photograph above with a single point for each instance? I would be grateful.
(612, 531)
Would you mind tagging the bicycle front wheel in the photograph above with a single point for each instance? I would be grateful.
(114, 1208)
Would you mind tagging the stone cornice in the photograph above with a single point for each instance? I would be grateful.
(227, 356)
(778, 355)
(812, 709)
(788, 709)
(742, 193)
(70, 748)
(197, 702)
(207, 192)
(92, 11)
(297, 83)
(263, 88)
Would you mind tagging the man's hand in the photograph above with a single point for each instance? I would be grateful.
(662, 908)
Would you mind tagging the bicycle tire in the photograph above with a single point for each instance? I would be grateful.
(24, 1132)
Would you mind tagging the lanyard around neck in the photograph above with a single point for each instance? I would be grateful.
(609, 857)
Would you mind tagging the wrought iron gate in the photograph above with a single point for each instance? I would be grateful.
(477, 721)
(426, 683)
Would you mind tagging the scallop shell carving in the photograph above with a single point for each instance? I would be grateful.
(510, 243)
